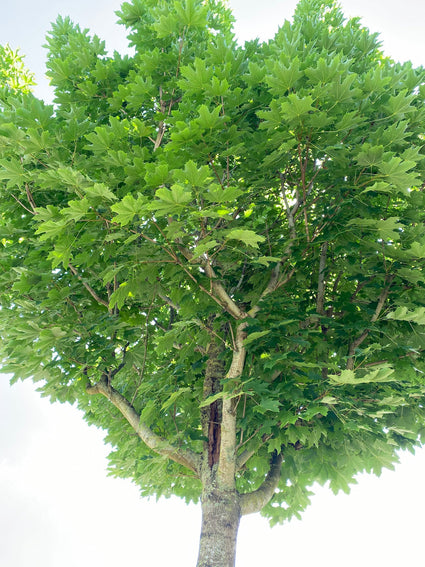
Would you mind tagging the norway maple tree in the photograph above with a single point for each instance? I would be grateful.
(218, 253)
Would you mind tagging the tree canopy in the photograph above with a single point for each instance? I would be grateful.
(221, 248)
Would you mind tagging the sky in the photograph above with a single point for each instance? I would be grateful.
(57, 505)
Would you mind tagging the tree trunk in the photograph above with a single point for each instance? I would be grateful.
(220, 522)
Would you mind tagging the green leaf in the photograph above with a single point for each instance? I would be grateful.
(211, 399)
(204, 247)
(387, 229)
(191, 13)
(51, 229)
(401, 103)
(173, 200)
(248, 237)
(194, 175)
(411, 275)
(12, 170)
(396, 171)
(379, 187)
(295, 107)
(216, 194)
(101, 139)
(282, 78)
(325, 70)
(70, 177)
(390, 228)
(196, 76)
(266, 405)
(101, 191)
(173, 398)
(119, 296)
(331, 400)
(402, 313)
(370, 155)
(127, 208)
(267, 260)
(417, 251)
(76, 210)
(382, 373)
(252, 337)
(167, 25)
(209, 120)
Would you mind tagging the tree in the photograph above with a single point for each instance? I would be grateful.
(218, 252)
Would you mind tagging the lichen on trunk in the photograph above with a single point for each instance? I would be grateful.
(221, 515)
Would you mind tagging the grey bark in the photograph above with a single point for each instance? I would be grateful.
(221, 515)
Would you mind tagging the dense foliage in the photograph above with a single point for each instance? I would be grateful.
(174, 203)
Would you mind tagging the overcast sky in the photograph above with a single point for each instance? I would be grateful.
(57, 506)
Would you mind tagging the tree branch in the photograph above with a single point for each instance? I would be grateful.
(320, 301)
(271, 286)
(357, 342)
(170, 302)
(88, 288)
(225, 300)
(154, 441)
(255, 501)
(227, 465)
(30, 199)
(274, 281)
(33, 212)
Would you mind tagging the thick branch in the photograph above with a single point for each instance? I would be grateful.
(271, 286)
(244, 458)
(255, 501)
(357, 342)
(227, 464)
(154, 441)
(225, 300)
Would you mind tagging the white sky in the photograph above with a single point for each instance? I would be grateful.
(57, 507)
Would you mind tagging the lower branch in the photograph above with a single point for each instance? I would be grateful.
(244, 457)
(255, 501)
(154, 441)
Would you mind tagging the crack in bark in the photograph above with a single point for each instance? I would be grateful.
(211, 414)
(227, 464)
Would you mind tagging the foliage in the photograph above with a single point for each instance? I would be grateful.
(13, 74)
(199, 191)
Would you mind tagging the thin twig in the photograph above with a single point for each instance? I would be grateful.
(22, 205)
(145, 352)
(88, 288)
(357, 342)
(321, 280)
